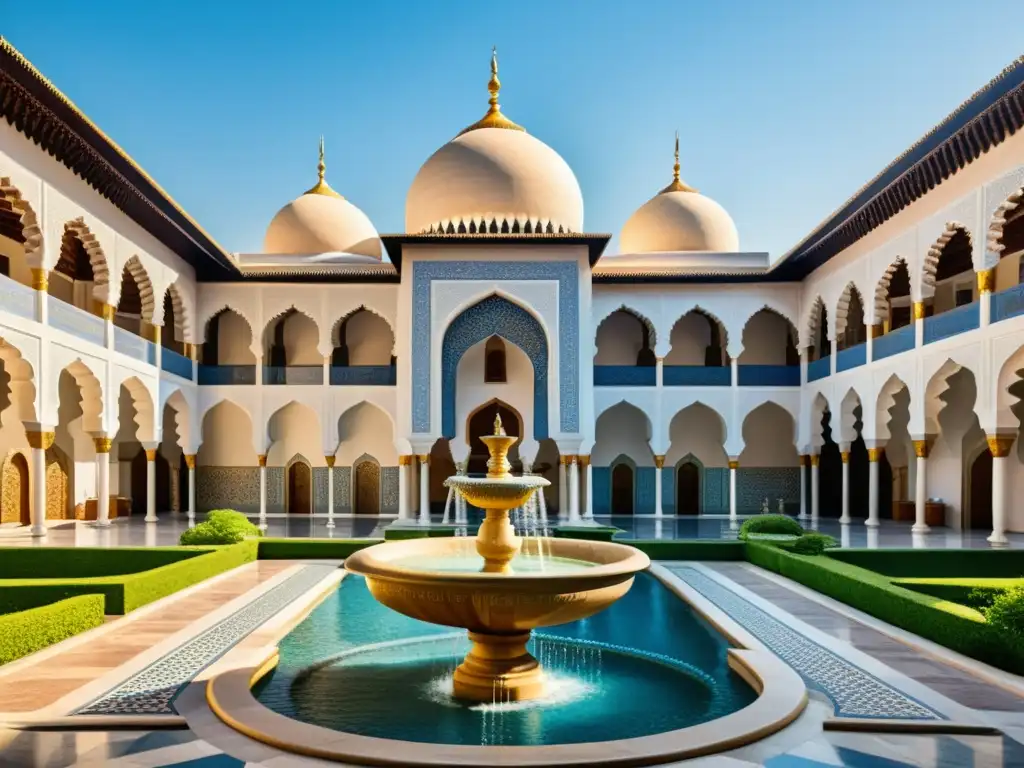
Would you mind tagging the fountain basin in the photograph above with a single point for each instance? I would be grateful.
(501, 494)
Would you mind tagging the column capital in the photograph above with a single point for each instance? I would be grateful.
(805, 459)
(1000, 445)
(585, 460)
(107, 311)
(815, 459)
(987, 281)
(922, 448)
(190, 460)
(103, 444)
(919, 310)
(405, 460)
(734, 463)
(845, 456)
(262, 459)
(565, 459)
(874, 454)
(424, 458)
(329, 461)
(150, 454)
(659, 461)
(40, 278)
(40, 439)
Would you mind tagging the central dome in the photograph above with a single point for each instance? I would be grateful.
(492, 176)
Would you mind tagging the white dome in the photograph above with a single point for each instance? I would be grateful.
(495, 175)
(321, 223)
(678, 220)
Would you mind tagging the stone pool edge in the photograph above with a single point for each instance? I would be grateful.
(782, 696)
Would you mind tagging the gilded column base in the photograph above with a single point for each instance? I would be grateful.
(499, 668)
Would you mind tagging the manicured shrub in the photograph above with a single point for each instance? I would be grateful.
(86, 562)
(222, 526)
(770, 524)
(297, 549)
(976, 593)
(938, 563)
(813, 544)
(1006, 614)
(30, 630)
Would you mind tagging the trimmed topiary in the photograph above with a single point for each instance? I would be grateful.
(222, 526)
(1006, 614)
(770, 524)
(814, 544)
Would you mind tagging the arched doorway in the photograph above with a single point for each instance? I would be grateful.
(442, 466)
(481, 422)
(688, 474)
(56, 484)
(14, 491)
(300, 488)
(979, 495)
(622, 489)
(367, 487)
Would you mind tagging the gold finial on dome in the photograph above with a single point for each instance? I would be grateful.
(499, 431)
(494, 118)
(677, 185)
(322, 187)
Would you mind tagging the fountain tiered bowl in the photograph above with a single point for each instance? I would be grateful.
(495, 587)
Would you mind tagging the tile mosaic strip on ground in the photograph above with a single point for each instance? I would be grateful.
(151, 691)
(854, 692)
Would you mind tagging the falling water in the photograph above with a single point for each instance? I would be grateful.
(447, 506)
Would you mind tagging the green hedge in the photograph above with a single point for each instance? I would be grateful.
(298, 549)
(680, 549)
(586, 532)
(28, 631)
(958, 590)
(125, 592)
(414, 532)
(86, 562)
(950, 624)
(937, 563)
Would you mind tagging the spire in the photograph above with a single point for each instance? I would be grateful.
(494, 118)
(677, 185)
(322, 187)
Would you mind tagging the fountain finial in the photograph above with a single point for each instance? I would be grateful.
(499, 431)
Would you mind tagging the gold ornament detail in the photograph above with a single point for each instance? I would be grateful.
(405, 460)
(1000, 445)
(804, 459)
(815, 459)
(919, 310)
(734, 463)
(987, 281)
(190, 460)
(103, 444)
(659, 461)
(494, 118)
(40, 441)
(845, 456)
(107, 311)
(874, 454)
(921, 448)
(322, 187)
(262, 459)
(151, 454)
(329, 460)
(154, 333)
(677, 185)
(40, 280)
(585, 460)
(424, 459)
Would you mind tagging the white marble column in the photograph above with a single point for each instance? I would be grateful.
(563, 488)
(108, 311)
(403, 486)
(815, 460)
(40, 282)
(158, 347)
(659, 464)
(190, 462)
(424, 461)
(804, 460)
(918, 311)
(845, 456)
(986, 284)
(574, 489)
(874, 454)
(734, 464)
(39, 440)
(588, 488)
(329, 460)
(151, 483)
(1000, 446)
(921, 487)
(262, 459)
(659, 372)
(103, 445)
(734, 365)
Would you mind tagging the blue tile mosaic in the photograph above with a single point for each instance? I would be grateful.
(645, 478)
(601, 479)
(853, 692)
(668, 491)
(755, 484)
(567, 275)
(495, 316)
(715, 491)
(152, 690)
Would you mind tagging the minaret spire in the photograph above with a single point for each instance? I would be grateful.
(677, 185)
(322, 187)
(494, 118)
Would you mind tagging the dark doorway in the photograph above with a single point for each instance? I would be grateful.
(979, 510)
(300, 487)
(367, 488)
(482, 423)
(688, 489)
(622, 489)
(442, 466)
(139, 489)
(182, 484)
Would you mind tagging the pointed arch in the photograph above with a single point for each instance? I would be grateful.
(367, 487)
(850, 317)
(894, 283)
(226, 436)
(21, 380)
(136, 272)
(182, 324)
(366, 427)
(884, 404)
(294, 428)
(954, 233)
(145, 411)
(281, 351)
(715, 352)
(219, 345)
(78, 229)
(1006, 210)
(19, 221)
(341, 321)
(91, 393)
(817, 330)
(762, 350)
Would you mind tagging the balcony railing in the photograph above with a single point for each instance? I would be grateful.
(951, 323)
(77, 322)
(363, 375)
(769, 376)
(179, 365)
(625, 376)
(851, 357)
(696, 376)
(893, 343)
(820, 368)
(17, 299)
(1008, 303)
(293, 374)
(128, 343)
(227, 375)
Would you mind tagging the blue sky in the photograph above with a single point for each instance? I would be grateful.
(784, 108)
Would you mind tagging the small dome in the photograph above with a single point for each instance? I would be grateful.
(679, 219)
(491, 174)
(321, 221)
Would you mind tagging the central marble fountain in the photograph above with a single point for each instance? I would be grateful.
(493, 588)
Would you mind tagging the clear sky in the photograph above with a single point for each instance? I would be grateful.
(784, 109)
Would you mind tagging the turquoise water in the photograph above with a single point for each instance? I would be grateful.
(647, 664)
(473, 563)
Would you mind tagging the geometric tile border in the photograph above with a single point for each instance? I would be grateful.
(152, 690)
(853, 692)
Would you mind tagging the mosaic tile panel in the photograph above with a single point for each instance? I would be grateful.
(152, 690)
(320, 490)
(644, 490)
(668, 491)
(566, 273)
(602, 487)
(389, 490)
(495, 316)
(715, 491)
(853, 692)
(342, 490)
(755, 484)
(275, 491)
(228, 488)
